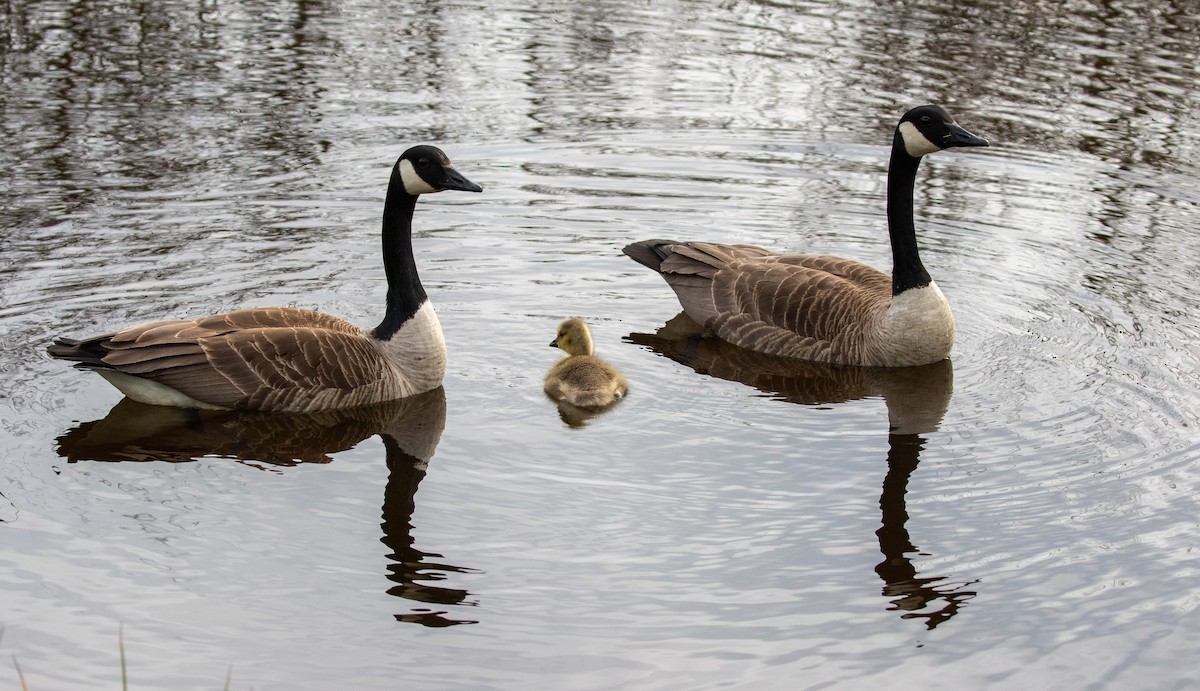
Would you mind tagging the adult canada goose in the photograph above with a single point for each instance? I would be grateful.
(582, 379)
(284, 359)
(823, 308)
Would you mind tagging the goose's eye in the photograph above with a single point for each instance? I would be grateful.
(422, 162)
(926, 119)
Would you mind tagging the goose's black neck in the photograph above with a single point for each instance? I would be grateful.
(405, 293)
(907, 270)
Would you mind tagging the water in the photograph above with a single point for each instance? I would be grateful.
(1023, 516)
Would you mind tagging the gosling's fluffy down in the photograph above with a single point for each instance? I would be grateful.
(582, 379)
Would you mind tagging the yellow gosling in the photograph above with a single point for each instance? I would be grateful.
(582, 379)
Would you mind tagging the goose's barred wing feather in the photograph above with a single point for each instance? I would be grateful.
(800, 305)
(238, 357)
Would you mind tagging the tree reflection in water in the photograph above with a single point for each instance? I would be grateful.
(410, 428)
(917, 399)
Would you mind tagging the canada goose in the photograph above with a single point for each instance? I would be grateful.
(582, 379)
(283, 359)
(823, 308)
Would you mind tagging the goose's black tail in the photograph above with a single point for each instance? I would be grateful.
(650, 253)
(88, 352)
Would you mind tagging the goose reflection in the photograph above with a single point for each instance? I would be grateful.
(410, 429)
(917, 399)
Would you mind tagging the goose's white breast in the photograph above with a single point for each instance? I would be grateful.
(417, 352)
(919, 327)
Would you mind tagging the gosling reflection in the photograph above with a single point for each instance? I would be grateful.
(410, 429)
(575, 416)
(916, 398)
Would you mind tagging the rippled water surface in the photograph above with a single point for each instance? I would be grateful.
(1021, 516)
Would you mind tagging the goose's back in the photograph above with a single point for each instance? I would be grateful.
(806, 306)
(585, 381)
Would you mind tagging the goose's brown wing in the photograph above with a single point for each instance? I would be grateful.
(805, 306)
(691, 268)
(257, 358)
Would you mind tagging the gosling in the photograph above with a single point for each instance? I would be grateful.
(582, 379)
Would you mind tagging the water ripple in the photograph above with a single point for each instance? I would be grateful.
(1024, 517)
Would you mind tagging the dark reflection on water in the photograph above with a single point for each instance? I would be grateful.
(412, 570)
(917, 398)
(410, 429)
(930, 598)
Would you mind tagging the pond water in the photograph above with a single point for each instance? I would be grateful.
(1023, 515)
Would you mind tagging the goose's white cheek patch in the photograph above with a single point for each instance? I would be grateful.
(413, 184)
(915, 143)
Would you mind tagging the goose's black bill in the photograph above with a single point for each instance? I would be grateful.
(961, 137)
(456, 181)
